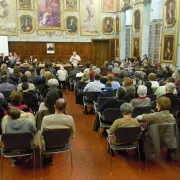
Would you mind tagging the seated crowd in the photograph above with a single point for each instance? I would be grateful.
(32, 100)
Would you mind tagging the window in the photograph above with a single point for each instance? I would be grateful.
(154, 41)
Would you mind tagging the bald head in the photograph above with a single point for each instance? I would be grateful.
(60, 105)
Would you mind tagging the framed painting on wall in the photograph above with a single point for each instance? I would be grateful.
(50, 48)
(136, 47)
(71, 5)
(137, 20)
(26, 24)
(108, 25)
(49, 14)
(108, 5)
(25, 4)
(8, 15)
(168, 48)
(71, 24)
(90, 18)
(170, 11)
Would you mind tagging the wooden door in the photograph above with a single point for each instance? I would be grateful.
(100, 51)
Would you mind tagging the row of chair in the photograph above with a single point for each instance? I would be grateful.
(19, 145)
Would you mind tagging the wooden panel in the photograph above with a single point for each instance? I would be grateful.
(102, 50)
(63, 51)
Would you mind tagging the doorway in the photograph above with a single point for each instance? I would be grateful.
(100, 51)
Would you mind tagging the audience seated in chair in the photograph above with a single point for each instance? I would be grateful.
(127, 121)
(110, 70)
(142, 99)
(130, 88)
(62, 76)
(16, 98)
(115, 84)
(15, 125)
(108, 91)
(163, 116)
(162, 89)
(148, 84)
(49, 101)
(5, 85)
(29, 97)
(115, 102)
(53, 86)
(58, 121)
(25, 79)
(95, 86)
(152, 79)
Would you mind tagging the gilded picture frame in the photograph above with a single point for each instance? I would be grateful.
(46, 19)
(137, 1)
(26, 24)
(168, 51)
(137, 20)
(71, 5)
(108, 25)
(8, 24)
(136, 47)
(25, 5)
(170, 11)
(109, 5)
(117, 25)
(71, 25)
(90, 23)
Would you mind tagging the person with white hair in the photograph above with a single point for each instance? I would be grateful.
(142, 100)
(116, 68)
(75, 58)
(62, 75)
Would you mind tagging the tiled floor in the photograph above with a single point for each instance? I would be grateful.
(88, 158)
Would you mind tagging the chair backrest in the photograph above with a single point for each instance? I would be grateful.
(111, 114)
(92, 96)
(127, 134)
(6, 95)
(56, 137)
(17, 141)
(141, 110)
(152, 97)
(101, 101)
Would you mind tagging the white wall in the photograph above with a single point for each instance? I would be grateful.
(4, 45)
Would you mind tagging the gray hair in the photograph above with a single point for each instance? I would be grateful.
(170, 87)
(110, 68)
(116, 64)
(142, 91)
(53, 82)
(126, 108)
(97, 70)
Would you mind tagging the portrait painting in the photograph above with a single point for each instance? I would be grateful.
(136, 47)
(26, 24)
(49, 14)
(168, 47)
(117, 25)
(71, 5)
(8, 18)
(25, 4)
(71, 24)
(137, 20)
(170, 13)
(50, 48)
(90, 18)
(108, 25)
(108, 5)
